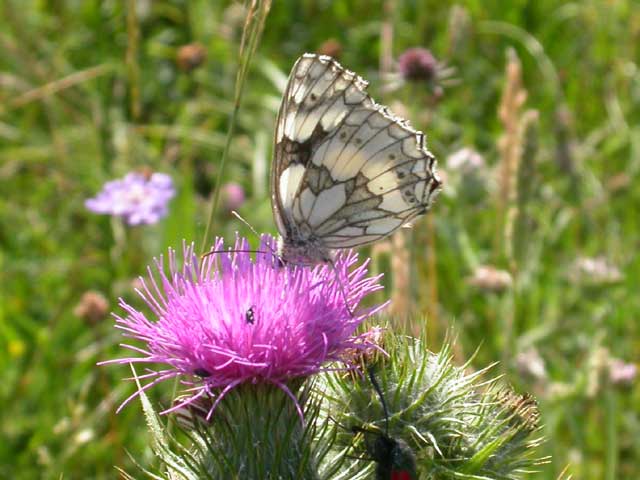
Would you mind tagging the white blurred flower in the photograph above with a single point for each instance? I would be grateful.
(466, 160)
(487, 277)
(468, 175)
(594, 270)
(529, 363)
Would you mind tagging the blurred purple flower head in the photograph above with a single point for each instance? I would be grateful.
(232, 196)
(418, 64)
(229, 319)
(137, 198)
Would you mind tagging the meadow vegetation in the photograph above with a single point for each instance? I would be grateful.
(529, 254)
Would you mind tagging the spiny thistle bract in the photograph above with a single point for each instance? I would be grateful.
(444, 423)
(268, 356)
(457, 426)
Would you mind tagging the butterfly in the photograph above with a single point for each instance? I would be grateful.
(346, 171)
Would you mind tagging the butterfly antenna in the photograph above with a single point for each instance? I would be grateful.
(239, 217)
(253, 230)
(376, 387)
(344, 294)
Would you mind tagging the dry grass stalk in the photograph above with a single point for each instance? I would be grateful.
(55, 86)
(401, 306)
(386, 38)
(432, 307)
(133, 68)
(517, 231)
(509, 144)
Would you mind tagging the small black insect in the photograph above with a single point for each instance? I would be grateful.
(394, 458)
(201, 372)
(250, 315)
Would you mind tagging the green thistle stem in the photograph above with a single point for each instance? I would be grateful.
(256, 432)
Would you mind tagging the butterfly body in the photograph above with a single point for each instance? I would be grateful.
(301, 249)
(346, 171)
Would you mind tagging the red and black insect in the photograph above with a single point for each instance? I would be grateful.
(394, 458)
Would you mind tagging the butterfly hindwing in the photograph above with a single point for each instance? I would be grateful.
(346, 171)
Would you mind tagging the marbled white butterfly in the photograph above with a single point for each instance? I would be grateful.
(346, 171)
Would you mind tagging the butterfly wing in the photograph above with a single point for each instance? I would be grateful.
(318, 95)
(346, 171)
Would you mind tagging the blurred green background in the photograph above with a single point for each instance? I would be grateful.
(530, 252)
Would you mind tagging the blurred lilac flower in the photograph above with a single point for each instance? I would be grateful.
(137, 198)
(418, 64)
(232, 196)
(228, 319)
(622, 373)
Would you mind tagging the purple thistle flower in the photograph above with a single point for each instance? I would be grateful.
(228, 319)
(137, 197)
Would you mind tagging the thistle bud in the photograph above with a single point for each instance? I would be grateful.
(191, 56)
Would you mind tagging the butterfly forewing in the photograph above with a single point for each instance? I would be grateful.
(346, 172)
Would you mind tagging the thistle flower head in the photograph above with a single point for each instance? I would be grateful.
(456, 424)
(191, 56)
(229, 319)
(92, 307)
(418, 64)
(233, 196)
(331, 47)
(137, 198)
